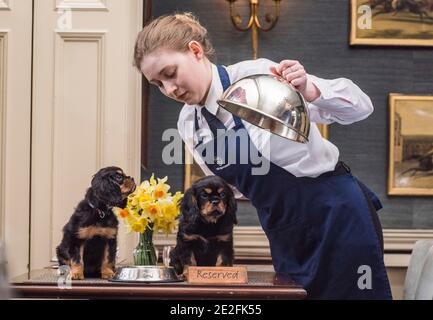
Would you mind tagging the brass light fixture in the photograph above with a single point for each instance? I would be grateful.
(253, 21)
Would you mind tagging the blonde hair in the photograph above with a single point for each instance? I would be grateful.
(174, 31)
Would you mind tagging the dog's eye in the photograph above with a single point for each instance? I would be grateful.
(204, 195)
(223, 194)
(118, 177)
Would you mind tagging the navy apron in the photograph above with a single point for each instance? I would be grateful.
(320, 230)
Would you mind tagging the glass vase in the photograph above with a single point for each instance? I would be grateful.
(145, 253)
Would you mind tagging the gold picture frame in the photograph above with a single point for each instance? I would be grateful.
(390, 23)
(410, 145)
(193, 171)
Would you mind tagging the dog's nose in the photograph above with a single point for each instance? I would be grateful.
(215, 201)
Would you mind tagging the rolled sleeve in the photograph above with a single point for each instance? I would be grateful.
(340, 101)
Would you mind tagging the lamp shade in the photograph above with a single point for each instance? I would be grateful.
(269, 102)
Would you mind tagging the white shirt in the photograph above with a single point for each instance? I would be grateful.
(340, 101)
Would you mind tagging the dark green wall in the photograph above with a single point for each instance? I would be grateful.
(315, 33)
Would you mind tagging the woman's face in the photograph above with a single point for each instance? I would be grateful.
(182, 76)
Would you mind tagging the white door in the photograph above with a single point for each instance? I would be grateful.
(86, 109)
(15, 111)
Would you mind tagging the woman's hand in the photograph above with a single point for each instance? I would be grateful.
(294, 73)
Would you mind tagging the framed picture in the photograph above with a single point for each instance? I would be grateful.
(193, 171)
(392, 22)
(411, 145)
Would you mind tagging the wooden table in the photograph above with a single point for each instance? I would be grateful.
(261, 285)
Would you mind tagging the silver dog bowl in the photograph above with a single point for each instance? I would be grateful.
(145, 274)
(269, 102)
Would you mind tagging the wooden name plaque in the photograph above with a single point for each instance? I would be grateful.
(217, 275)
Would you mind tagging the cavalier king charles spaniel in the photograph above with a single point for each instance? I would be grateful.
(89, 243)
(205, 234)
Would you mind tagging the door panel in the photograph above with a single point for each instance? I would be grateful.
(86, 113)
(15, 110)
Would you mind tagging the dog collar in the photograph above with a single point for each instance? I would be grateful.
(99, 211)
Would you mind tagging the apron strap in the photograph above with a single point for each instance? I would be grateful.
(224, 77)
(196, 128)
(213, 122)
(225, 81)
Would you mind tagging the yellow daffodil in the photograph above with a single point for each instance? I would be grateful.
(152, 209)
(143, 198)
(170, 211)
(151, 206)
(177, 197)
(139, 225)
(161, 190)
(152, 180)
(124, 213)
(144, 185)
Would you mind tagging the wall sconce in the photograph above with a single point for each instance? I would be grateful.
(253, 21)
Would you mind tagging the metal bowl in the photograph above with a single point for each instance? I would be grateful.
(269, 102)
(145, 274)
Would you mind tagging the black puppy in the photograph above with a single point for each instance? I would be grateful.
(89, 239)
(205, 235)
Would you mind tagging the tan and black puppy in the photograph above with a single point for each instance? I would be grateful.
(205, 235)
(89, 240)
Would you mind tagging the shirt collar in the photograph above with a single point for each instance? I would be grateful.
(215, 92)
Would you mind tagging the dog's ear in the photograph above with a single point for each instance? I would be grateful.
(189, 207)
(106, 190)
(232, 205)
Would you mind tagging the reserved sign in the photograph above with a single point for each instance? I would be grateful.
(217, 275)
